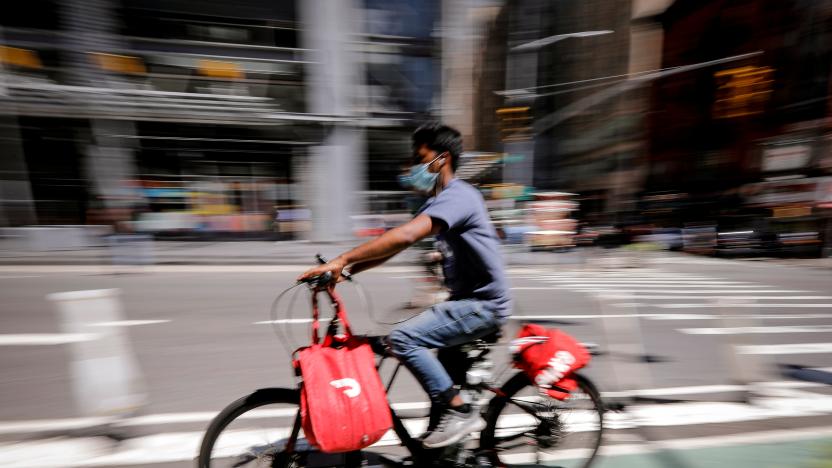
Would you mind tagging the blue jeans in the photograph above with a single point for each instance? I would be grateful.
(444, 325)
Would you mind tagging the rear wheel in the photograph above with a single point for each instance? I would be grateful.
(525, 427)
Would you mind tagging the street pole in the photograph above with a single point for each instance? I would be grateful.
(335, 174)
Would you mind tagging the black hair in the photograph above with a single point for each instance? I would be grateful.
(439, 138)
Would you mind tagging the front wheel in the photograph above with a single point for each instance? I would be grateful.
(524, 426)
(257, 431)
(253, 432)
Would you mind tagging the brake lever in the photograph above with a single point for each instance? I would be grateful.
(318, 283)
(322, 260)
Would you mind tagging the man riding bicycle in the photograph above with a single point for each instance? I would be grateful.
(479, 302)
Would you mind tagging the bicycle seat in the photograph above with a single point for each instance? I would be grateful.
(492, 338)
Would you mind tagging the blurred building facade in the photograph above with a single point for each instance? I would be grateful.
(287, 119)
(682, 113)
(563, 111)
(745, 145)
(186, 116)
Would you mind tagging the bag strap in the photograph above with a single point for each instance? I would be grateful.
(315, 314)
(340, 312)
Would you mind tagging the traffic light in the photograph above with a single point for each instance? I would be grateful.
(21, 58)
(515, 123)
(742, 91)
(119, 63)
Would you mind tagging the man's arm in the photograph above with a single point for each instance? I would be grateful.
(381, 248)
(356, 268)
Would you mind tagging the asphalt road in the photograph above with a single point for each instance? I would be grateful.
(201, 337)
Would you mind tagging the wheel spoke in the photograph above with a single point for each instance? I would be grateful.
(244, 459)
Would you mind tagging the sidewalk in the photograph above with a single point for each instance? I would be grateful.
(303, 253)
(242, 253)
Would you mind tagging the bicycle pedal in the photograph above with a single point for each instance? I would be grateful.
(392, 461)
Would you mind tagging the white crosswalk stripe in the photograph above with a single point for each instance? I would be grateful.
(41, 339)
(618, 295)
(667, 287)
(648, 316)
(652, 284)
(632, 293)
(758, 330)
(761, 305)
(681, 289)
(796, 348)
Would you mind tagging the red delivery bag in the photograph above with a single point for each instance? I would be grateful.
(343, 404)
(549, 357)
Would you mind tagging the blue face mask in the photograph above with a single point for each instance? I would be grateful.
(404, 181)
(421, 178)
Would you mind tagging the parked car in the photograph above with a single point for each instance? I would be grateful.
(665, 238)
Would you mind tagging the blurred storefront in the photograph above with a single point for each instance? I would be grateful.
(665, 113)
(747, 142)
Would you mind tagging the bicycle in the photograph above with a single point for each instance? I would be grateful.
(518, 416)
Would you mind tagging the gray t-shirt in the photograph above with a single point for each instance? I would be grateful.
(472, 265)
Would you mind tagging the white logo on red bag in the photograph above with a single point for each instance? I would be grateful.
(353, 387)
(560, 364)
(520, 344)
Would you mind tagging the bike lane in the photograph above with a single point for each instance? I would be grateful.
(807, 453)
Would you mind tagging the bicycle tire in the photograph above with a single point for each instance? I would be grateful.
(260, 398)
(489, 442)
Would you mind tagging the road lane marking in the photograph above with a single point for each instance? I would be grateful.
(740, 305)
(708, 389)
(637, 292)
(753, 317)
(615, 294)
(675, 284)
(575, 316)
(45, 339)
(128, 323)
(671, 316)
(683, 296)
(633, 277)
(796, 348)
(756, 330)
(289, 321)
(105, 269)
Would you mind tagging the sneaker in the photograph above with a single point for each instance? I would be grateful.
(453, 426)
(436, 412)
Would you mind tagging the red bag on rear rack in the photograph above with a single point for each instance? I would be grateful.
(549, 357)
(343, 404)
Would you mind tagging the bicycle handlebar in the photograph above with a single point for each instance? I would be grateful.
(322, 260)
(323, 281)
